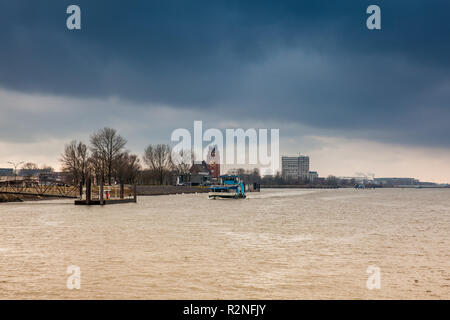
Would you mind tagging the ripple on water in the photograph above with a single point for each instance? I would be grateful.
(287, 244)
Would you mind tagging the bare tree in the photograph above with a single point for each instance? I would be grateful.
(47, 168)
(107, 145)
(126, 168)
(97, 166)
(182, 161)
(28, 169)
(30, 166)
(74, 161)
(159, 160)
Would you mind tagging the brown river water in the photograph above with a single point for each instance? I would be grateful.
(277, 244)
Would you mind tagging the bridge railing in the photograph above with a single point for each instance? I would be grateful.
(61, 191)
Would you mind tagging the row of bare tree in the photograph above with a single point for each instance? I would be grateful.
(107, 159)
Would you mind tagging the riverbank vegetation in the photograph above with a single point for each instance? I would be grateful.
(107, 160)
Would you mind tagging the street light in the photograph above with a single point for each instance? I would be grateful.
(15, 165)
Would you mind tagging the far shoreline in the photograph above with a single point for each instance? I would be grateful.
(302, 186)
(153, 190)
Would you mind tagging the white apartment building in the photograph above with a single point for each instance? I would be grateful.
(295, 167)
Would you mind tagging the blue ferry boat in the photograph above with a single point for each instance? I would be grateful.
(230, 187)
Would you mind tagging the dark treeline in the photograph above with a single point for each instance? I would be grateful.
(106, 160)
(278, 179)
(254, 176)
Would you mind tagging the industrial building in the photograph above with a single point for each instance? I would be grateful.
(6, 172)
(295, 167)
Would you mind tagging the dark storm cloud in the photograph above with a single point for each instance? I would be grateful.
(311, 62)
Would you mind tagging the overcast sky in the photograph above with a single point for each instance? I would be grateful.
(353, 99)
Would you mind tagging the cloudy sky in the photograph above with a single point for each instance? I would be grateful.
(355, 100)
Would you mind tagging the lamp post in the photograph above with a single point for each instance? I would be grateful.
(15, 165)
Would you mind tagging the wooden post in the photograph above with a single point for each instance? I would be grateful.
(88, 190)
(102, 201)
(135, 192)
(122, 190)
(81, 190)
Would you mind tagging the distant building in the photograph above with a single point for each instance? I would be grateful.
(295, 167)
(199, 174)
(5, 172)
(267, 172)
(213, 162)
(33, 172)
(50, 177)
(356, 179)
(19, 181)
(396, 181)
(313, 176)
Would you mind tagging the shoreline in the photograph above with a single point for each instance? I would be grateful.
(143, 190)
(301, 186)
(151, 190)
(296, 186)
